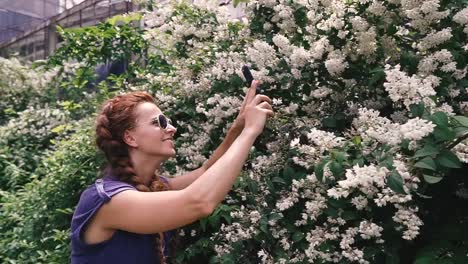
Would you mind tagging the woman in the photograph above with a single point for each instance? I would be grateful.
(126, 216)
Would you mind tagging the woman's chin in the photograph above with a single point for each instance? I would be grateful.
(172, 154)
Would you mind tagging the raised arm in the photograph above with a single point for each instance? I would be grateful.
(154, 212)
(182, 181)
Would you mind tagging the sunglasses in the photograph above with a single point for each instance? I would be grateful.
(162, 121)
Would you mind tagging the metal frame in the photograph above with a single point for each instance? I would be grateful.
(50, 42)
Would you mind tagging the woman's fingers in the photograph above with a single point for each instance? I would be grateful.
(261, 98)
(250, 94)
(266, 105)
(269, 113)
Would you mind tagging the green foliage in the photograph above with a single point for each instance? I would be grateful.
(104, 42)
(36, 219)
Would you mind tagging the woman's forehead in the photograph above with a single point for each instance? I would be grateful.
(146, 111)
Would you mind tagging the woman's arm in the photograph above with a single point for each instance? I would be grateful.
(153, 212)
(180, 182)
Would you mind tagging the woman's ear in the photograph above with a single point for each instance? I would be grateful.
(129, 139)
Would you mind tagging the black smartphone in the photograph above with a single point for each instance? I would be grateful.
(249, 78)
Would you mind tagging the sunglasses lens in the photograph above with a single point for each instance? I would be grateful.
(162, 121)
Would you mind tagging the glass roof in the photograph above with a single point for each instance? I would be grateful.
(18, 16)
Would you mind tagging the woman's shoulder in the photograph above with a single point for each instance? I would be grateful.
(95, 195)
(102, 190)
(110, 186)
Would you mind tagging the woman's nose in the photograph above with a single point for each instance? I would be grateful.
(171, 129)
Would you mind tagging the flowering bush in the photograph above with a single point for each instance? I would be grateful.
(19, 86)
(363, 162)
(370, 98)
(23, 140)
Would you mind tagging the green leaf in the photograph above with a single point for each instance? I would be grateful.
(395, 182)
(359, 161)
(432, 179)
(329, 122)
(427, 150)
(444, 133)
(330, 211)
(337, 169)
(426, 163)
(339, 156)
(278, 180)
(439, 118)
(269, 184)
(357, 140)
(460, 131)
(275, 216)
(462, 120)
(253, 186)
(417, 110)
(349, 215)
(288, 172)
(237, 2)
(319, 170)
(264, 228)
(297, 236)
(337, 203)
(203, 223)
(448, 159)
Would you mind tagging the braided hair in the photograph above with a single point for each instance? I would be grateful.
(117, 116)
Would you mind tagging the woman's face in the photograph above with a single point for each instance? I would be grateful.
(147, 136)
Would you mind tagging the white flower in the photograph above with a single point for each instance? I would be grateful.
(409, 90)
(282, 43)
(461, 17)
(416, 128)
(360, 202)
(369, 230)
(254, 216)
(294, 142)
(285, 203)
(277, 101)
(434, 39)
(321, 92)
(336, 66)
(376, 8)
(365, 178)
(408, 218)
(300, 57)
(262, 54)
(324, 140)
(263, 255)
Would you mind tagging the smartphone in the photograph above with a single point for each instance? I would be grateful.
(249, 78)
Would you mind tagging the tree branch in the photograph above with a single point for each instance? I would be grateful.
(460, 139)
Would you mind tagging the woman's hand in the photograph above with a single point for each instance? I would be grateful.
(239, 123)
(256, 111)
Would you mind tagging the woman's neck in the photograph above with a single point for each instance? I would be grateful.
(146, 166)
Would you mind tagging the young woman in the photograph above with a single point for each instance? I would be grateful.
(127, 216)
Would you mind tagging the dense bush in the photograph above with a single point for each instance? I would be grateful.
(363, 162)
(36, 219)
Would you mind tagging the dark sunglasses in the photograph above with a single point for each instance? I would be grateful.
(161, 121)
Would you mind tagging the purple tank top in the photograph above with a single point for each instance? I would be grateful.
(122, 247)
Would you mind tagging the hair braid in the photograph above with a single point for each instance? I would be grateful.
(116, 117)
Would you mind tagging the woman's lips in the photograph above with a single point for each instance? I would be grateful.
(170, 140)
